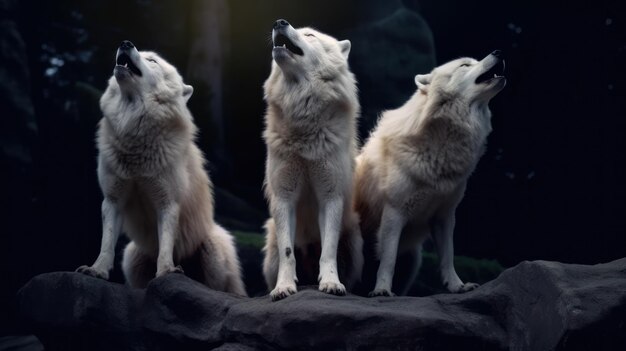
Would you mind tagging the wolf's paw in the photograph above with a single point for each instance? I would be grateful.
(168, 270)
(333, 287)
(463, 288)
(282, 291)
(91, 271)
(381, 292)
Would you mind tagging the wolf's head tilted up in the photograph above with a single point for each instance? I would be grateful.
(305, 50)
(310, 77)
(466, 78)
(144, 75)
(310, 83)
(144, 105)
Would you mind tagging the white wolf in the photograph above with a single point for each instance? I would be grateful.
(412, 172)
(154, 184)
(312, 109)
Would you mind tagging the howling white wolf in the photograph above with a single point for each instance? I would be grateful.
(413, 170)
(154, 184)
(312, 109)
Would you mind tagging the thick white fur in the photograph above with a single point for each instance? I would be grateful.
(312, 109)
(412, 172)
(154, 184)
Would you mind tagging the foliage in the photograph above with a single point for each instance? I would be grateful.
(255, 240)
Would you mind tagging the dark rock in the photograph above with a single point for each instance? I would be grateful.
(407, 35)
(20, 343)
(533, 306)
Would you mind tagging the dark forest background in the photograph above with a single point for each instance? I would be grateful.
(551, 186)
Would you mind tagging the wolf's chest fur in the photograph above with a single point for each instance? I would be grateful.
(140, 149)
(312, 132)
(447, 149)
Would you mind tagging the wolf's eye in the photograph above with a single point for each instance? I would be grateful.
(151, 60)
(465, 65)
(309, 35)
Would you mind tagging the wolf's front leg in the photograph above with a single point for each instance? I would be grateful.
(284, 214)
(330, 217)
(167, 232)
(442, 233)
(388, 236)
(111, 227)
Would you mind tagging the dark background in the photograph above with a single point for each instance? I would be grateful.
(551, 185)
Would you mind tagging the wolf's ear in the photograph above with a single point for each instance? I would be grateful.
(187, 91)
(422, 81)
(345, 46)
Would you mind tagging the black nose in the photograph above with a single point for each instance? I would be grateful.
(496, 53)
(127, 45)
(280, 23)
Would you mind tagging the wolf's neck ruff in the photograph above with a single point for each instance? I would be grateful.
(310, 121)
(449, 141)
(311, 115)
(137, 138)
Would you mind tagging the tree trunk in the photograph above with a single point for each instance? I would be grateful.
(208, 26)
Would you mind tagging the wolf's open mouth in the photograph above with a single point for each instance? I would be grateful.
(284, 41)
(123, 60)
(492, 73)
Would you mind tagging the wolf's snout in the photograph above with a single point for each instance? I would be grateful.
(284, 46)
(494, 68)
(280, 24)
(126, 61)
(126, 44)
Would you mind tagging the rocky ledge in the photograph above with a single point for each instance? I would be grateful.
(534, 306)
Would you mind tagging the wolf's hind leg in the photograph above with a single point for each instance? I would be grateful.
(442, 233)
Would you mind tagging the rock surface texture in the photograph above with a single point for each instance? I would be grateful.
(533, 306)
